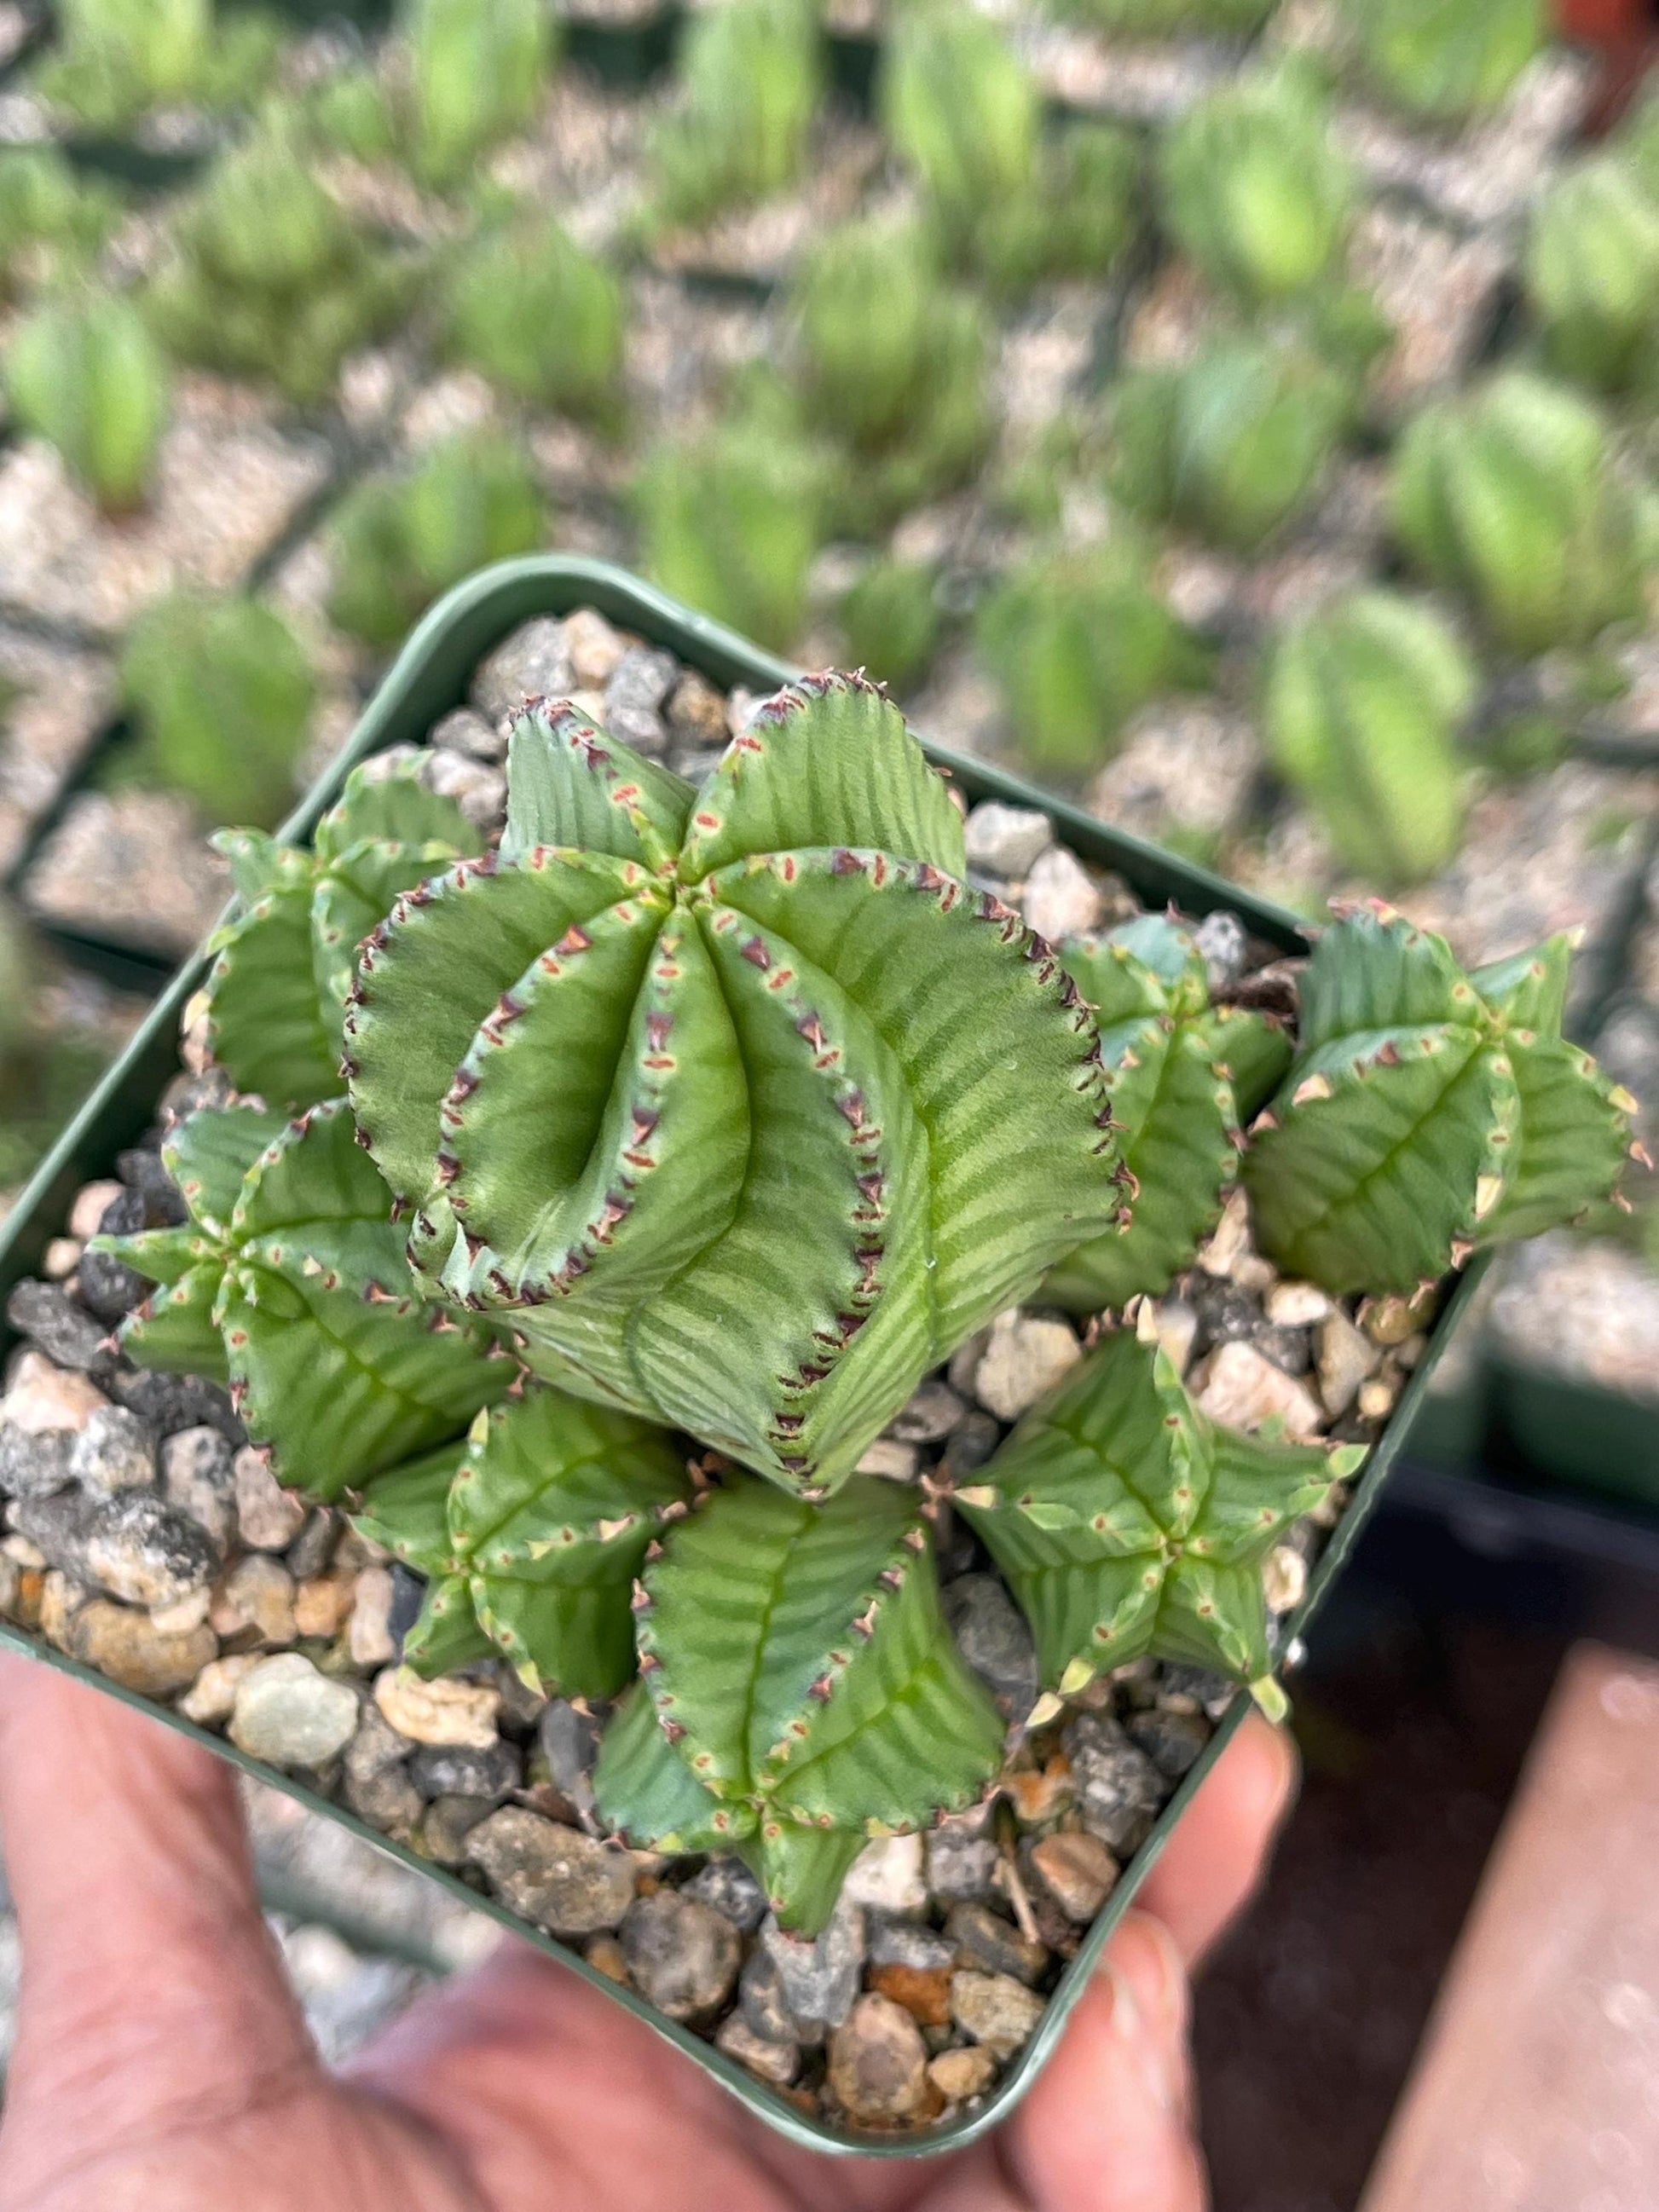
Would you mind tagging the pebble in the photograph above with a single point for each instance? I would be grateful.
(188, 1613)
(1062, 899)
(114, 1451)
(449, 1821)
(994, 1639)
(212, 1696)
(289, 1715)
(107, 1286)
(478, 790)
(198, 1476)
(460, 1770)
(683, 1955)
(555, 1876)
(369, 1631)
(928, 1415)
(1119, 1791)
(465, 730)
(959, 2074)
(139, 1548)
(60, 1257)
(726, 1885)
(61, 1598)
(1295, 1305)
(536, 661)
(593, 647)
(1230, 1240)
(1006, 841)
(888, 1876)
(924, 1991)
(640, 679)
(1346, 1358)
(777, 2062)
(323, 1603)
(445, 1711)
(972, 1443)
(878, 2063)
(1177, 1323)
(1376, 1399)
(1240, 1390)
(374, 1778)
(64, 1331)
(904, 1943)
(761, 2003)
(1077, 1871)
(92, 1202)
(570, 1744)
(1223, 947)
(175, 1401)
(258, 1594)
(996, 2010)
(35, 1463)
(128, 1647)
(819, 1979)
(268, 1517)
(1172, 1741)
(696, 711)
(1024, 1357)
(313, 1547)
(891, 1460)
(41, 1396)
(984, 1941)
(962, 1859)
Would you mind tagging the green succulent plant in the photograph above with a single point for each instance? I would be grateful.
(222, 693)
(754, 1198)
(46, 1066)
(288, 1284)
(1076, 642)
(282, 964)
(750, 75)
(476, 70)
(821, 1703)
(1232, 443)
(1162, 19)
(399, 542)
(269, 276)
(1130, 1525)
(541, 317)
(1186, 1076)
(1361, 706)
(1443, 59)
(1253, 185)
(530, 1532)
(1592, 271)
(1076, 213)
(1427, 1112)
(962, 110)
(351, 110)
(82, 371)
(890, 621)
(50, 219)
(1512, 494)
(113, 60)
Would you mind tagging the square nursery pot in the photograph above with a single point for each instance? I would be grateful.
(429, 677)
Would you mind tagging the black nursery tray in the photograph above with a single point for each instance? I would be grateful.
(429, 677)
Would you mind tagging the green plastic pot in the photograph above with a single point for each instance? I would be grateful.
(1577, 1432)
(428, 678)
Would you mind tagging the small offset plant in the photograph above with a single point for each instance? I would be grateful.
(50, 219)
(1231, 444)
(1361, 709)
(539, 317)
(115, 59)
(269, 277)
(1442, 60)
(83, 372)
(476, 70)
(399, 542)
(890, 621)
(223, 693)
(1592, 271)
(1253, 185)
(1075, 214)
(1076, 642)
(750, 75)
(45, 1067)
(1186, 1077)
(1513, 494)
(1427, 1112)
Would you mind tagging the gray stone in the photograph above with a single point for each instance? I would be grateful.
(819, 1979)
(726, 1885)
(132, 1545)
(777, 2062)
(142, 1170)
(1172, 1741)
(374, 1780)
(168, 1402)
(116, 1450)
(930, 1413)
(449, 1821)
(905, 1943)
(552, 1876)
(108, 1286)
(1221, 943)
(463, 730)
(970, 1445)
(994, 1639)
(878, 2063)
(640, 728)
(460, 1770)
(65, 1332)
(641, 678)
(1004, 841)
(996, 2010)
(962, 1859)
(289, 1715)
(532, 662)
(986, 1942)
(313, 1547)
(761, 2003)
(683, 1955)
(199, 1477)
(1120, 1791)
(570, 1744)
(35, 1463)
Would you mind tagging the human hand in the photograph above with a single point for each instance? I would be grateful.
(162, 2064)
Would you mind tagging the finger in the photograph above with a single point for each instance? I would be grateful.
(1216, 1855)
(149, 1978)
(1107, 2127)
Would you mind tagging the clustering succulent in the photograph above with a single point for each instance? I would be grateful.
(113, 60)
(1443, 59)
(222, 693)
(1186, 1077)
(282, 964)
(46, 1066)
(1591, 270)
(50, 219)
(1128, 1524)
(1253, 185)
(1076, 642)
(400, 541)
(1074, 215)
(890, 621)
(1361, 706)
(750, 74)
(539, 317)
(1427, 1112)
(476, 70)
(1232, 443)
(269, 275)
(288, 1283)
(1514, 494)
(83, 372)
(1161, 19)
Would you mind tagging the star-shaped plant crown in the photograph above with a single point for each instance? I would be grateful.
(1427, 1111)
(289, 1283)
(1128, 1523)
(529, 1532)
(1184, 1075)
(801, 1692)
(736, 1099)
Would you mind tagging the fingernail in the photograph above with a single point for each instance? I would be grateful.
(1146, 1954)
